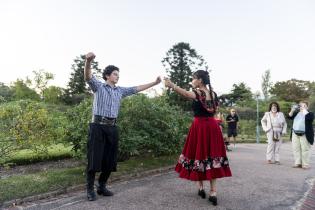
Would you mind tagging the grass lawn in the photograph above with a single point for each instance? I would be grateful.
(26, 156)
(19, 186)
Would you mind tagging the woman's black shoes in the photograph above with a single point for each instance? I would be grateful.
(202, 193)
(213, 200)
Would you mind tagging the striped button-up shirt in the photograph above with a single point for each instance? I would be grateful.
(106, 98)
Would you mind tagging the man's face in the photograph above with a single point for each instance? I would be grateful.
(303, 106)
(113, 77)
(232, 112)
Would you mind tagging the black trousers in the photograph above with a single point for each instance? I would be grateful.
(102, 149)
(102, 180)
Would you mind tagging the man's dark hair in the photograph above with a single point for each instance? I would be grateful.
(304, 102)
(108, 71)
(276, 104)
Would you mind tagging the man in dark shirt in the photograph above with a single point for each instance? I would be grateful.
(102, 147)
(232, 120)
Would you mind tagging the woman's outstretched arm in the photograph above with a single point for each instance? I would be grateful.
(179, 90)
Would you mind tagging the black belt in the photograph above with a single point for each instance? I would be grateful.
(103, 120)
(299, 133)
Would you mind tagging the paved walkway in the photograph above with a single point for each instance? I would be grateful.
(254, 185)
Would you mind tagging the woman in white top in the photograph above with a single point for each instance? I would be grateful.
(274, 124)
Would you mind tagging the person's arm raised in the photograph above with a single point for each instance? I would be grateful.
(146, 86)
(179, 90)
(87, 67)
(292, 114)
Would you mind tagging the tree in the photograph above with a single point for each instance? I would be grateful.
(53, 94)
(239, 95)
(226, 99)
(241, 92)
(312, 98)
(40, 79)
(77, 85)
(266, 84)
(292, 90)
(77, 88)
(22, 91)
(180, 61)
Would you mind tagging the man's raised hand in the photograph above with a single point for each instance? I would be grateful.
(90, 57)
(158, 80)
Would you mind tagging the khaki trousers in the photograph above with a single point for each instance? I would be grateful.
(301, 150)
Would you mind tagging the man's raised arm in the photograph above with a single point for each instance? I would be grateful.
(146, 86)
(87, 68)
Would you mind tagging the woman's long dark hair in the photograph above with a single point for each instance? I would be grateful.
(205, 78)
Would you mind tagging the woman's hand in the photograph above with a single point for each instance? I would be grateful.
(168, 83)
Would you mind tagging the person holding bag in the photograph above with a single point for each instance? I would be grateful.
(275, 126)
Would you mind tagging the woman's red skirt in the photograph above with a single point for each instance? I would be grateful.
(204, 155)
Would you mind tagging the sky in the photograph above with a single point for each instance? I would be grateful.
(240, 40)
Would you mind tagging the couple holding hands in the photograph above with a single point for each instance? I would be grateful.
(203, 156)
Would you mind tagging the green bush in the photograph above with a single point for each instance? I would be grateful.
(247, 129)
(151, 125)
(28, 124)
(2, 99)
(7, 143)
(146, 125)
(77, 129)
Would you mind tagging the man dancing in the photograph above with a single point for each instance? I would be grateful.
(102, 147)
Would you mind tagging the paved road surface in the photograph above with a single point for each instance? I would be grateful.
(254, 185)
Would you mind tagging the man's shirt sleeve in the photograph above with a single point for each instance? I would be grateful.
(94, 83)
(127, 91)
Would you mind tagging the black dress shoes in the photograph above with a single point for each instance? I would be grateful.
(102, 190)
(213, 200)
(91, 196)
(202, 193)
